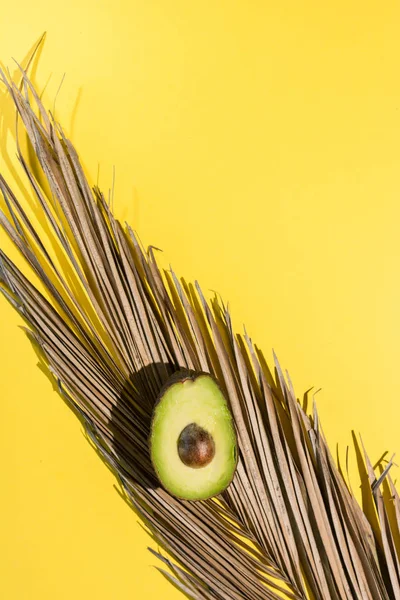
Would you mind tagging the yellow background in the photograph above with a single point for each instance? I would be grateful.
(257, 143)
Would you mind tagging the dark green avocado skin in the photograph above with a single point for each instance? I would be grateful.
(181, 376)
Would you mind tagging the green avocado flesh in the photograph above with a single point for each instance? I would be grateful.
(193, 440)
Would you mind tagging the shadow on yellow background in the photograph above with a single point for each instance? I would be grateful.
(258, 145)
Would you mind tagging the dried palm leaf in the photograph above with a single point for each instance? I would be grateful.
(113, 327)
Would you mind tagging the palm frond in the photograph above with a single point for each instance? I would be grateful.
(113, 327)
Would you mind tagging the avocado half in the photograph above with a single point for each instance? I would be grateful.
(193, 442)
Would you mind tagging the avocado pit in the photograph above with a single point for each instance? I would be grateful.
(196, 447)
